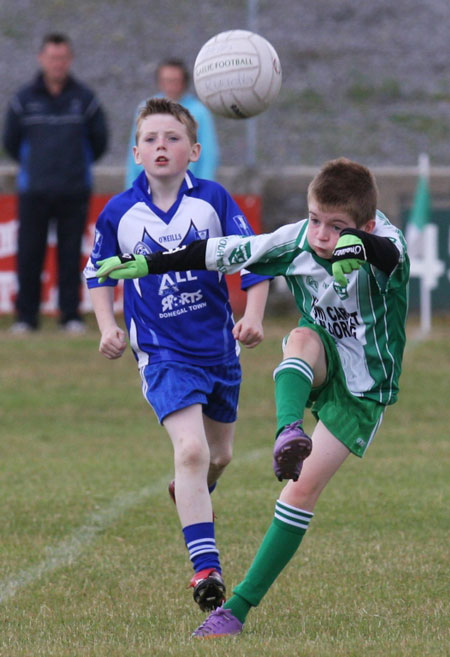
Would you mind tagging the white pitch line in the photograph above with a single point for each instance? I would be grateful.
(70, 548)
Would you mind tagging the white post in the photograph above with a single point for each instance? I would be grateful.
(425, 307)
(423, 165)
(251, 125)
(425, 286)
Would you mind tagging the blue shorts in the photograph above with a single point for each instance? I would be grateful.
(171, 386)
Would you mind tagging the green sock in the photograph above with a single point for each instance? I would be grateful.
(277, 548)
(293, 381)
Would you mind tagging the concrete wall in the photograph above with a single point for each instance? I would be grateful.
(283, 190)
(283, 196)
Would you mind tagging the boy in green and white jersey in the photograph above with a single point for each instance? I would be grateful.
(347, 267)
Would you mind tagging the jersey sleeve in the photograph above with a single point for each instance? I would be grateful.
(12, 132)
(269, 254)
(234, 222)
(105, 246)
(399, 275)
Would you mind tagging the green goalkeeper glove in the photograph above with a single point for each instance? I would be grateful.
(126, 265)
(348, 255)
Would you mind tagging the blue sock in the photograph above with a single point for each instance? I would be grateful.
(201, 545)
(212, 487)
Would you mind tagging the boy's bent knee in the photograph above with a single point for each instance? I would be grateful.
(302, 494)
(305, 343)
(220, 461)
(192, 454)
(302, 335)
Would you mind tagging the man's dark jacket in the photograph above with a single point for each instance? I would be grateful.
(55, 139)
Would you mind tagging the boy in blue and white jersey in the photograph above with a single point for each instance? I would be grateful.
(348, 270)
(180, 325)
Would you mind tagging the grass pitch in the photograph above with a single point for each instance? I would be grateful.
(92, 561)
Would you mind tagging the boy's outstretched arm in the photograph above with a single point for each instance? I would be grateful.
(247, 330)
(129, 265)
(227, 254)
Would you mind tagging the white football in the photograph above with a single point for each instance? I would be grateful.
(237, 74)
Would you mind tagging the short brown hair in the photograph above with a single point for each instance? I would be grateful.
(174, 62)
(56, 38)
(166, 106)
(347, 186)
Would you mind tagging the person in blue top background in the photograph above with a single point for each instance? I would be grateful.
(172, 79)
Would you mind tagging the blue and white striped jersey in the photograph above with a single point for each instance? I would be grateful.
(181, 316)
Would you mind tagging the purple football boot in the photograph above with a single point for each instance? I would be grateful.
(291, 448)
(220, 622)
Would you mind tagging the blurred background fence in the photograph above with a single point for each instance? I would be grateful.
(269, 198)
(369, 81)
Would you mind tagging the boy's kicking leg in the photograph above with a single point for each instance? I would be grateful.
(293, 513)
(303, 366)
(192, 461)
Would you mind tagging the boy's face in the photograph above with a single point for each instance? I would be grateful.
(325, 226)
(164, 147)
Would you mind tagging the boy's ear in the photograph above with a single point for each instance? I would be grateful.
(370, 225)
(195, 152)
(136, 155)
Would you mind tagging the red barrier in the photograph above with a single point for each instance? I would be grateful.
(249, 204)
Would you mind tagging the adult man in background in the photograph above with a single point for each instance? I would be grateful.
(172, 80)
(55, 129)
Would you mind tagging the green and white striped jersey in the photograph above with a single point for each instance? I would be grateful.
(366, 319)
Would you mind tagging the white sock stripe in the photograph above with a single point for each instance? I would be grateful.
(195, 553)
(304, 368)
(295, 361)
(200, 540)
(295, 364)
(291, 522)
(294, 516)
(282, 506)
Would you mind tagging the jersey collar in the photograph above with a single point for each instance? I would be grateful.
(144, 193)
